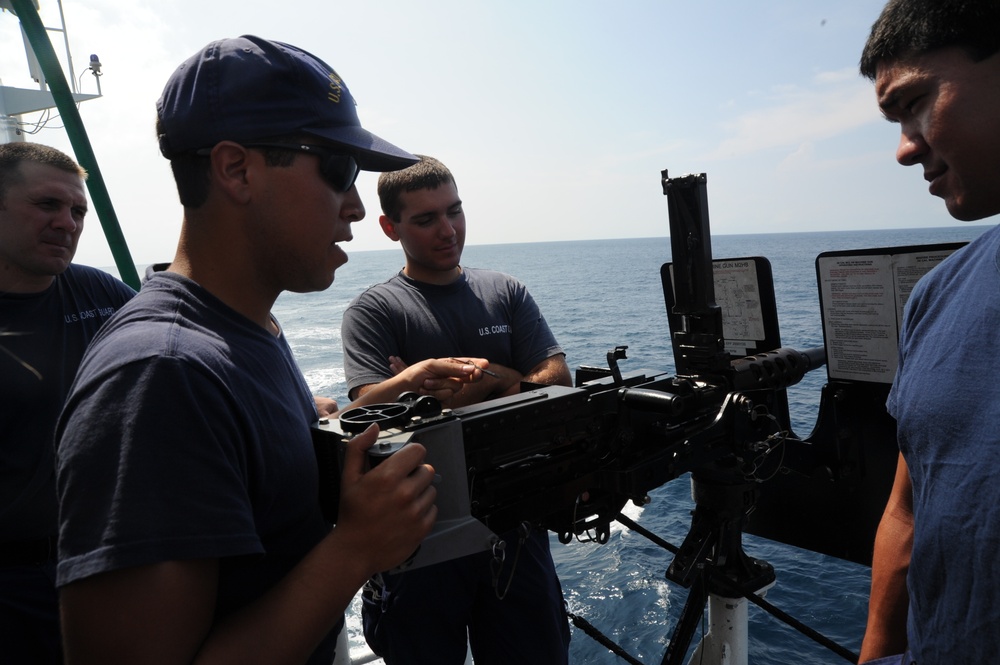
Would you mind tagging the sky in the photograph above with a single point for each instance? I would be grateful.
(555, 116)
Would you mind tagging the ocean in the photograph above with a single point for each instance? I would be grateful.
(600, 294)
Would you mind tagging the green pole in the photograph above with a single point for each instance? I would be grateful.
(40, 44)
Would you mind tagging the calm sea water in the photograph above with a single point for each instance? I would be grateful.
(600, 294)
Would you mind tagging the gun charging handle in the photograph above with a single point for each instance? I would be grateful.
(653, 401)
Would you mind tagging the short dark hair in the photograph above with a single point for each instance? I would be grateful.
(12, 155)
(191, 170)
(428, 173)
(906, 28)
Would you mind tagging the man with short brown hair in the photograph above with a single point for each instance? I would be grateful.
(50, 309)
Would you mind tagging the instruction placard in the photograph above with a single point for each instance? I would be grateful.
(738, 295)
(743, 289)
(862, 296)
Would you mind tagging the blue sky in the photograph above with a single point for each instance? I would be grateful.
(555, 117)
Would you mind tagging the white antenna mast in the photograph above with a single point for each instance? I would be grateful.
(15, 102)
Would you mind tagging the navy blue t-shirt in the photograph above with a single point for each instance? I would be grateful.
(187, 435)
(42, 338)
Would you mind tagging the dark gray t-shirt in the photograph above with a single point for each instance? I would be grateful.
(484, 314)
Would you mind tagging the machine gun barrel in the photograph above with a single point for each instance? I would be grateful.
(776, 369)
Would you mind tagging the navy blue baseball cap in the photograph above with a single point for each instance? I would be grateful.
(248, 88)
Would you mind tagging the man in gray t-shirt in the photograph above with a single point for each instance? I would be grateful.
(436, 308)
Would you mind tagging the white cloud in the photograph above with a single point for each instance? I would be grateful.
(792, 116)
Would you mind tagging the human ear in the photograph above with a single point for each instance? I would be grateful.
(230, 170)
(388, 227)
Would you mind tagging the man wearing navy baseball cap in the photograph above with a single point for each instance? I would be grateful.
(189, 522)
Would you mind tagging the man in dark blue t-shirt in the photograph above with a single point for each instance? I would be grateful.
(190, 526)
(50, 309)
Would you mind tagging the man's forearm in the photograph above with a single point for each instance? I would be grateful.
(552, 371)
(885, 634)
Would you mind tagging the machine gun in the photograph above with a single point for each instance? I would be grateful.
(569, 459)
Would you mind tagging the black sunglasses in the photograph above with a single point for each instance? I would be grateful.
(338, 169)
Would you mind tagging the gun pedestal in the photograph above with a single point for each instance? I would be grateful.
(711, 561)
